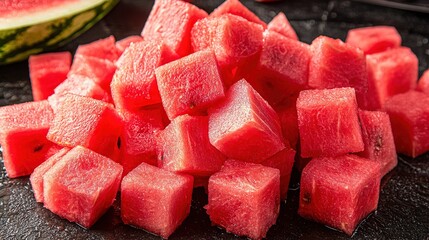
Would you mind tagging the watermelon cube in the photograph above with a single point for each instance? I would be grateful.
(138, 143)
(190, 84)
(123, 44)
(98, 70)
(81, 186)
(283, 161)
(134, 83)
(335, 64)
(289, 120)
(244, 198)
(280, 24)
(171, 21)
(36, 178)
(235, 7)
(374, 39)
(409, 116)
(389, 73)
(47, 71)
(282, 69)
(243, 125)
(339, 191)
(23, 129)
(378, 139)
(183, 146)
(328, 122)
(87, 122)
(423, 84)
(104, 49)
(155, 199)
(79, 85)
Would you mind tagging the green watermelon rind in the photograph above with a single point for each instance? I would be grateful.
(19, 43)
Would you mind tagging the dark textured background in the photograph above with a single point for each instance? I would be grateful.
(403, 211)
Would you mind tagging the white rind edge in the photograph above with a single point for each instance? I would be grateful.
(49, 14)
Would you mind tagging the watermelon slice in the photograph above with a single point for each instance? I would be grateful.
(335, 64)
(409, 115)
(23, 129)
(282, 69)
(138, 143)
(97, 69)
(134, 83)
(104, 49)
(283, 161)
(123, 44)
(183, 146)
(280, 24)
(155, 199)
(378, 140)
(171, 21)
(92, 123)
(374, 39)
(81, 186)
(47, 71)
(235, 7)
(423, 84)
(389, 73)
(30, 27)
(243, 125)
(328, 122)
(36, 177)
(190, 84)
(339, 191)
(244, 198)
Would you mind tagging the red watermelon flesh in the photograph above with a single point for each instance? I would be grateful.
(289, 120)
(103, 49)
(203, 32)
(155, 199)
(81, 186)
(93, 124)
(244, 198)
(235, 7)
(283, 161)
(13, 8)
(282, 69)
(378, 139)
(47, 71)
(335, 64)
(328, 122)
(138, 143)
(423, 84)
(300, 162)
(171, 21)
(134, 83)
(23, 129)
(243, 125)
(79, 85)
(98, 70)
(36, 177)
(374, 39)
(123, 44)
(339, 191)
(280, 24)
(409, 116)
(183, 146)
(190, 84)
(389, 73)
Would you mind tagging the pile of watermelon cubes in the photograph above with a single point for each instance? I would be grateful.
(220, 100)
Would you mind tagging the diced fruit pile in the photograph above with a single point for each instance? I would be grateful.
(223, 101)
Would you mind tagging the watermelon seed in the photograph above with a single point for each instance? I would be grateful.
(378, 143)
(307, 198)
(118, 143)
(38, 148)
(192, 105)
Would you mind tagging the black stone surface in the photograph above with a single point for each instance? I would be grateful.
(403, 211)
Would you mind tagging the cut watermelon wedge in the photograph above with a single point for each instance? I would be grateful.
(30, 27)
